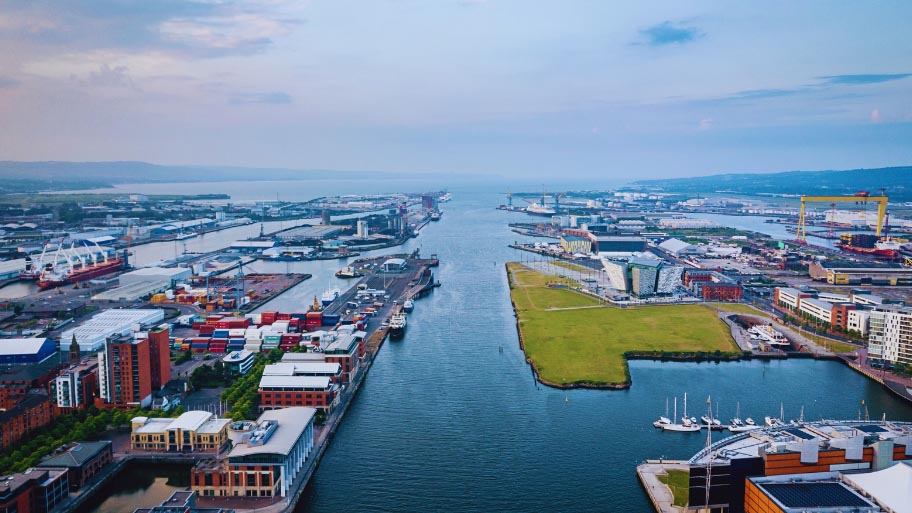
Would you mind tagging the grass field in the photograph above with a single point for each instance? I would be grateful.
(679, 483)
(587, 345)
(574, 267)
(737, 308)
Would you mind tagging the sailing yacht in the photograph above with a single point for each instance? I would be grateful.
(686, 423)
(663, 420)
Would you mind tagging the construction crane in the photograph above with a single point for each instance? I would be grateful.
(557, 198)
(862, 197)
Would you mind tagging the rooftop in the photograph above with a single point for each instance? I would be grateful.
(14, 346)
(808, 496)
(292, 422)
(304, 382)
(77, 455)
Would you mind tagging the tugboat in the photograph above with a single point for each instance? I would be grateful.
(348, 272)
(408, 306)
(397, 326)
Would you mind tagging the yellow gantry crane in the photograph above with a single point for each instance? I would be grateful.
(862, 197)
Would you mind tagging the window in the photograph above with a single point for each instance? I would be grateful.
(251, 479)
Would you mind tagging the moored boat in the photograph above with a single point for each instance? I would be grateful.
(397, 326)
(408, 306)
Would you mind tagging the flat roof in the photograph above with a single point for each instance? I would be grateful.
(814, 495)
(292, 422)
(14, 346)
(818, 303)
(9, 266)
(296, 368)
(311, 382)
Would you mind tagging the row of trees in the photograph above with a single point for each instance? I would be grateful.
(243, 395)
(89, 424)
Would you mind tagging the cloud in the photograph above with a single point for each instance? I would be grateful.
(271, 98)
(196, 29)
(759, 94)
(863, 79)
(875, 116)
(668, 33)
(8, 83)
(705, 124)
(108, 76)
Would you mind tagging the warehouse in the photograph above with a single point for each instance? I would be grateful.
(617, 244)
(26, 350)
(680, 248)
(132, 292)
(91, 335)
(169, 274)
(10, 269)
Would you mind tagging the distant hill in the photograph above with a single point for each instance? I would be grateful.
(56, 176)
(896, 180)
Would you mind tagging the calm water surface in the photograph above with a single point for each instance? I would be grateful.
(447, 422)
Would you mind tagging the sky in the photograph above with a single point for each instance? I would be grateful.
(516, 88)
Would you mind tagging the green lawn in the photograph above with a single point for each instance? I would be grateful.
(574, 267)
(679, 483)
(588, 344)
(737, 308)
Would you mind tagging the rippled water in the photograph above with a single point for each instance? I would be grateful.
(447, 422)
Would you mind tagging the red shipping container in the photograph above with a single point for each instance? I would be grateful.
(283, 317)
(268, 317)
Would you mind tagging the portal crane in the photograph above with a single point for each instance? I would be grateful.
(862, 197)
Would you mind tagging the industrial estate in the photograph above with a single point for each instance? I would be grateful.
(108, 362)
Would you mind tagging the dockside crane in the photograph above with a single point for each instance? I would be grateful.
(861, 197)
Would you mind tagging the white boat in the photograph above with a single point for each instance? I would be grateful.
(540, 210)
(686, 423)
(408, 306)
(329, 296)
(663, 420)
(743, 428)
(749, 422)
(773, 421)
(736, 422)
(397, 325)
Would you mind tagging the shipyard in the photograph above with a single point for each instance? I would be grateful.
(192, 326)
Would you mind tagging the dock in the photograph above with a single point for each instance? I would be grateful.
(659, 493)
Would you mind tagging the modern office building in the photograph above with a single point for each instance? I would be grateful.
(193, 431)
(239, 362)
(264, 461)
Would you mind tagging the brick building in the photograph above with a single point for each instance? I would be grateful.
(32, 412)
(83, 461)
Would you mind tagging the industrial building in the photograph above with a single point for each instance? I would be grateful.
(109, 323)
(265, 460)
(679, 248)
(18, 351)
(10, 269)
(331, 370)
(890, 334)
(860, 274)
(394, 265)
(193, 431)
(309, 233)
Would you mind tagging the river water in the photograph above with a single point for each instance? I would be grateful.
(446, 421)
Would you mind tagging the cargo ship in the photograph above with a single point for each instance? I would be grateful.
(435, 215)
(397, 326)
(885, 248)
(69, 272)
